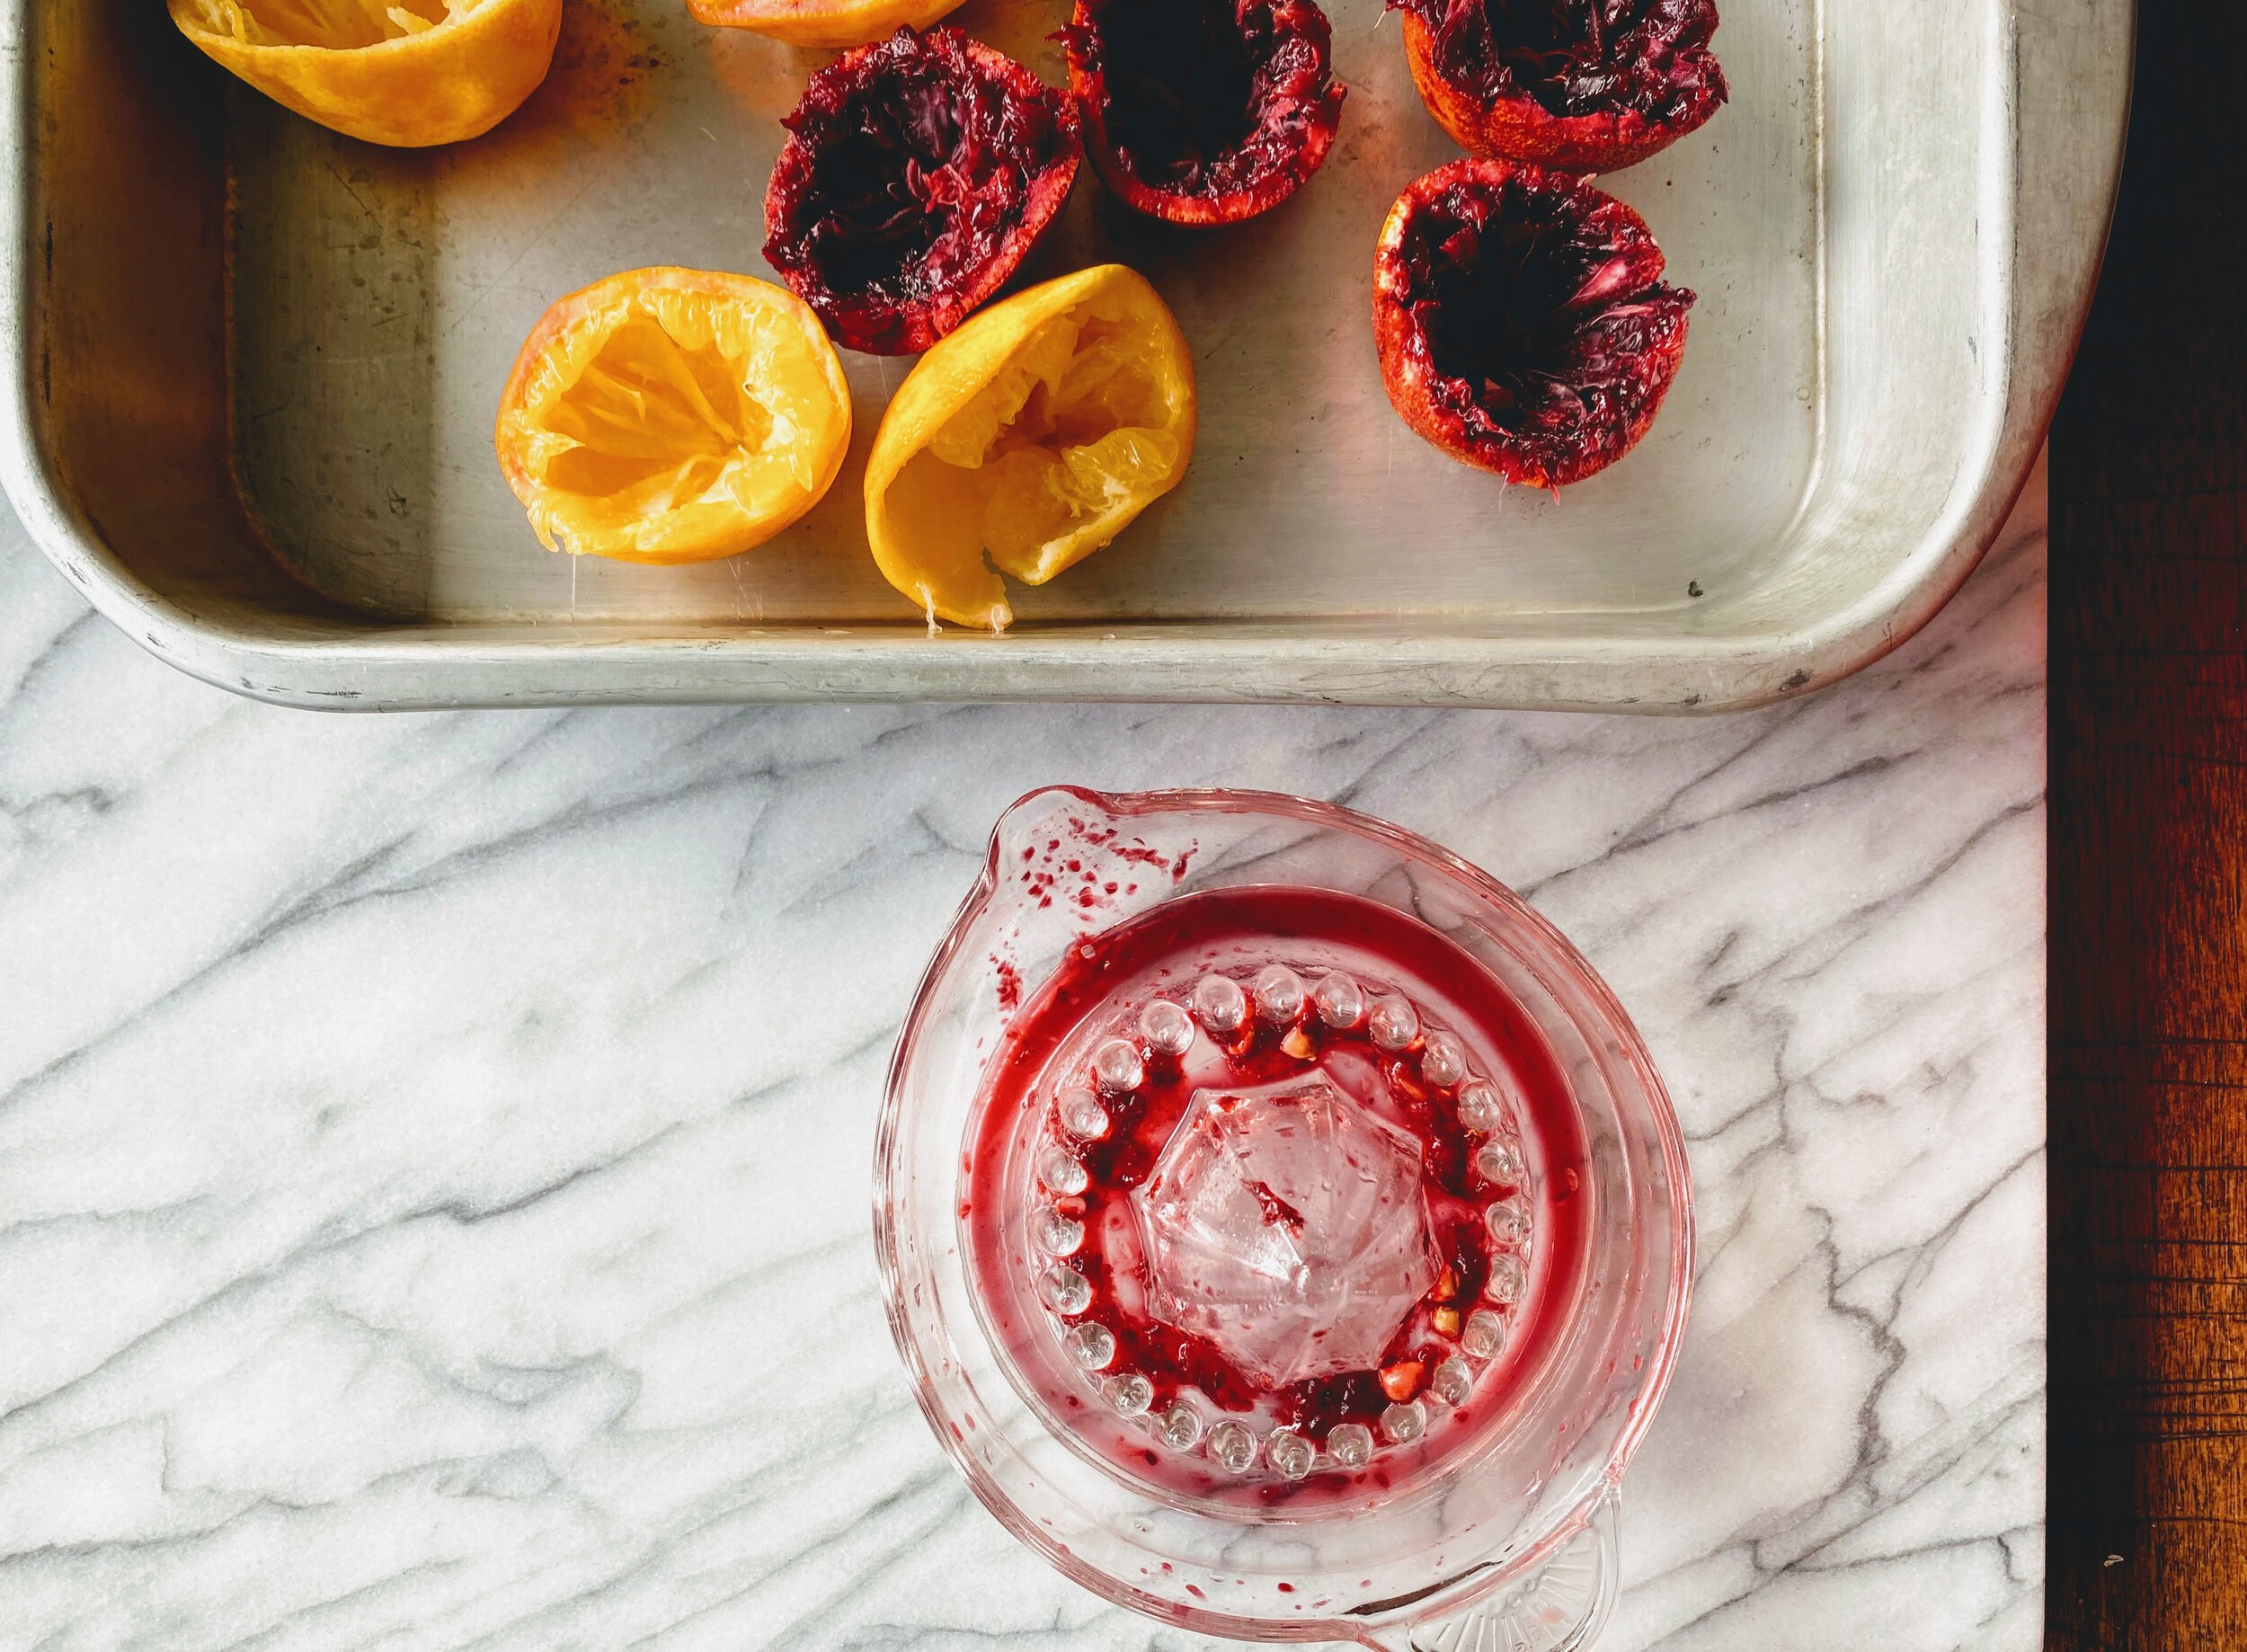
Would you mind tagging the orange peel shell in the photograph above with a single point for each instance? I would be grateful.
(434, 80)
(669, 415)
(1030, 437)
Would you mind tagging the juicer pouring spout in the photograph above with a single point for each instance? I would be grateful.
(1065, 861)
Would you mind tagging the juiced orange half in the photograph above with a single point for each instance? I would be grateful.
(1030, 437)
(821, 22)
(407, 72)
(671, 416)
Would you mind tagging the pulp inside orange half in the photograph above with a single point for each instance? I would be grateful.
(671, 416)
(337, 25)
(1073, 427)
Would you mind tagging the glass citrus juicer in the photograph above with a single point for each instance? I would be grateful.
(1286, 1230)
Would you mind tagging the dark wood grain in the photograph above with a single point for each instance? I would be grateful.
(2148, 1489)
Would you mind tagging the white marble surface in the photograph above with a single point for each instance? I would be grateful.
(434, 1150)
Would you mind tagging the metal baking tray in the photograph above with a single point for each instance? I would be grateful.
(256, 365)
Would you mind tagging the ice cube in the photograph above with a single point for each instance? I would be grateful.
(1286, 1226)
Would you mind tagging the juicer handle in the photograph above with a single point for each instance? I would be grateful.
(1562, 1606)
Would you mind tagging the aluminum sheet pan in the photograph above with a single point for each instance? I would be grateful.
(257, 365)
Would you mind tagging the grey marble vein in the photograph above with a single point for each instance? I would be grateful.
(434, 1150)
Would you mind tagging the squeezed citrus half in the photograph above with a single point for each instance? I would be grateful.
(1031, 437)
(821, 22)
(672, 415)
(406, 73)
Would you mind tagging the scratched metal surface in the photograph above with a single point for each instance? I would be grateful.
(373, 287)
(1891, 229)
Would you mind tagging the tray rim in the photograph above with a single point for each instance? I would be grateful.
(412, 666)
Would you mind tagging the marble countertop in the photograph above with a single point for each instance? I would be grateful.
(435, 1150)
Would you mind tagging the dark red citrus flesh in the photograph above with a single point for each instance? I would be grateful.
(1522, 321)
(1204, 111)
(918, 173)
(1583, 85)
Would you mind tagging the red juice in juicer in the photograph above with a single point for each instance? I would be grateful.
(1287, 1174)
